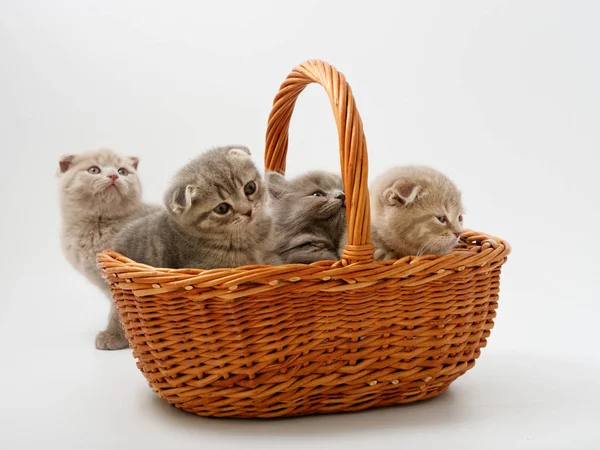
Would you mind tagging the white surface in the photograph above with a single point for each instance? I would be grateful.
(503, 96)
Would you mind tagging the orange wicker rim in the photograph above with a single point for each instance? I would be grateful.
(352, 148)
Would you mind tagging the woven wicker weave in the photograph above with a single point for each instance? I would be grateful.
(269, 341)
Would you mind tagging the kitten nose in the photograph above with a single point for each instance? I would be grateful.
(457, 234)
(248, 213)
(342, 197)
(113, 177)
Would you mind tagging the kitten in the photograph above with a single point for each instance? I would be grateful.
(99, 192)
(214, 217)
(415, 210)
(309, 214)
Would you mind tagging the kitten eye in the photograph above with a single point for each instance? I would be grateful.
(222, 208)
(319, 194)
(123, 172)
(442, 219)
(460, 218)
(250, 188)
(94, 170)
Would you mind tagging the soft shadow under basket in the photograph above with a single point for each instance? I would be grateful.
(269, 341)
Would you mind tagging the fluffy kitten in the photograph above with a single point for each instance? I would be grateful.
(415, 210)
(309, 214)
(99, 192)
(214, 217)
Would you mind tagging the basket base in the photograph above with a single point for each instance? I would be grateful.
(318, 405)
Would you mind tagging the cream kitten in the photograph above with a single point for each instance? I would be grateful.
(99, 192)
(415, 210)
(214, 217)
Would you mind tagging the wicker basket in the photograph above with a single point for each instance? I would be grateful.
(270, 341)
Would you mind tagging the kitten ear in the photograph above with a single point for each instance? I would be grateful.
(65, 162)
(239, 152)
(276, 184)
(179, 200)
(134, 161)
(402, 192)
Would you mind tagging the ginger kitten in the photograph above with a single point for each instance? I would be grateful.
(415, 210)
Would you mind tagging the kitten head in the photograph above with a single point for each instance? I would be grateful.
(416, 210)
(312, 198)
(219, 195)
(99, 182)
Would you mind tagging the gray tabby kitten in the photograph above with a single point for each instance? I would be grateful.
(214, 217)
(310, 216)
(99, 192)
(415, 210)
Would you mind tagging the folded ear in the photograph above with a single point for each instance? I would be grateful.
(276, 184)
(239, 152)
(134, 161)
(402, 192)
(179, 199)
(65, 162)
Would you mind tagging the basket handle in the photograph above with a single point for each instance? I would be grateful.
(352, 147)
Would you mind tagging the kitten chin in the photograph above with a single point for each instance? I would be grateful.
(214, 217)
(309, 214)
(99, 193)
(415, 210)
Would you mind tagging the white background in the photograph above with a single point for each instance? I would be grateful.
(501, 95)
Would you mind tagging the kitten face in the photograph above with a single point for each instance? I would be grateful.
(219, 195)
(99, 181)
(313, 196)
(417, 210)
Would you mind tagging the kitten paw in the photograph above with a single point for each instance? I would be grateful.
(110, 341)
